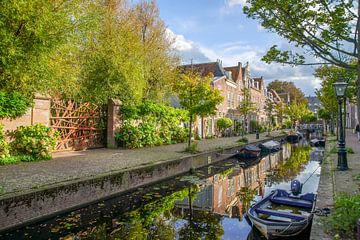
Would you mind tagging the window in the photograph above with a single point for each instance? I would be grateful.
(228, 100)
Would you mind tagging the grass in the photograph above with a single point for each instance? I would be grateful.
(243, 140)
(193, 148)
(348, 150)
(21, 158)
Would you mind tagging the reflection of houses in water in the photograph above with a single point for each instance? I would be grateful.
(221, 193)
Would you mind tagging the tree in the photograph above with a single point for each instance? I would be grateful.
(158, 63)
(30, 34)
(329, 30)
(284, 87)
(197, 96)
(297, 112)
(246, 106)
(111, 66)
(223, 124)
(269, 110)
(280, 112)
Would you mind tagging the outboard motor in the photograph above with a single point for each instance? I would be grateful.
(296, 187)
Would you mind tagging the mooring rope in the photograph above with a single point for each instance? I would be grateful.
(311, 174)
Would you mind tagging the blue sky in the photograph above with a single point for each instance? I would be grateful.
(206, 30)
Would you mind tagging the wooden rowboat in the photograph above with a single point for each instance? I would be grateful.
(282, 215)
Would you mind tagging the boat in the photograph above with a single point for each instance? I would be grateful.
(270, 146)
(281, 214)
(292, 138)
(249, 151)
(317, 142)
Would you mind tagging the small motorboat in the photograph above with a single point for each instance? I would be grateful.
(317, 142)
(281, 214)
(270, 146)
(292, 138)
(249, 151)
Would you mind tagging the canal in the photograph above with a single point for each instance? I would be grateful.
(208, 203)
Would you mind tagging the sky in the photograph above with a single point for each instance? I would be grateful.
(207, 30)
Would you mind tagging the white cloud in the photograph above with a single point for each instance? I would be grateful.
(187, 49)
(233, 52)
(232, 3)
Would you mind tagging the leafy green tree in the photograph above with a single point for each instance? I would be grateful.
(246, 106)
(223, 124)
(284, 87)
(158, 63)
(329, 30)
(111, 66)
(280, 112)
(269, 108)
(30, 33)
(197, 96)
(297, 112)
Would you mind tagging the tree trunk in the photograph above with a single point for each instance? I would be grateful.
(190, 130)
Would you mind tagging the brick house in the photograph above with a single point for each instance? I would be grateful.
(227, 81)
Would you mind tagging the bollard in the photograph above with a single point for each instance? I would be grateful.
(257, 134)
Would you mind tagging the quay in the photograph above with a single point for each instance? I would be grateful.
(33, 191)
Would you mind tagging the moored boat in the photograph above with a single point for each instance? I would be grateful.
(292, 138)
(282, 215)
(270, 146)
(317, 142)
(249, 151)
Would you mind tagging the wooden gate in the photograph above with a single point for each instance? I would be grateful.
(81, 125)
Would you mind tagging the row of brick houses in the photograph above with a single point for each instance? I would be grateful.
(231, 81)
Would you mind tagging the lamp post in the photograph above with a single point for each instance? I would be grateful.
(340, 89)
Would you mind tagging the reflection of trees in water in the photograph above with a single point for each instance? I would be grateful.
(246, 195)
(151, 221)
(291, 167)
(202, 225)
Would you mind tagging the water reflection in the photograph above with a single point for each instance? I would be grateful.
(209, 204)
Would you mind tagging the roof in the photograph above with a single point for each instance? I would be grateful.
(204, 69)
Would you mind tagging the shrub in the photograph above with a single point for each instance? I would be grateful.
(344, 217)
(150, 124)
(36, 141)
(193, 148)
(13, 104)
(224, 123)
(243, 140)
(4, 146)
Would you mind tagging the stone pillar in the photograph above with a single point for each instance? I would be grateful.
(113, 122)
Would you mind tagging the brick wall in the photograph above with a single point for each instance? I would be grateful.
(39, 113)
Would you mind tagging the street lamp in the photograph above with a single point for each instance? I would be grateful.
(340, 89)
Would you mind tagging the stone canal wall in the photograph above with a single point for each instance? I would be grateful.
(24, 208)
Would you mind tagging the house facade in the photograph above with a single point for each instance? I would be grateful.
(231, 81)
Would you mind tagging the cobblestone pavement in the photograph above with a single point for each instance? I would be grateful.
(68, 166)
(333, 182)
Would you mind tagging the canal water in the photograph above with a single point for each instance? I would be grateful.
(209, 203)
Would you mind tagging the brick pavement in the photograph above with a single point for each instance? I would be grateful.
(332, 182)
(69, 166)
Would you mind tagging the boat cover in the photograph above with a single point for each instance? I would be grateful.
(252, 147)
(271, 144)
(284, 197)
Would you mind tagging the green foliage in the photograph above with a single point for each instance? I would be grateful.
(150, 124)
(193, 148)
(224, 123)
(13, 104)
(36, 141)
(21, 158)
(197, 96)
(345, 215)
(30, 33)
(284, 87)
(349, 150)
(4, 146)
(243, 140)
